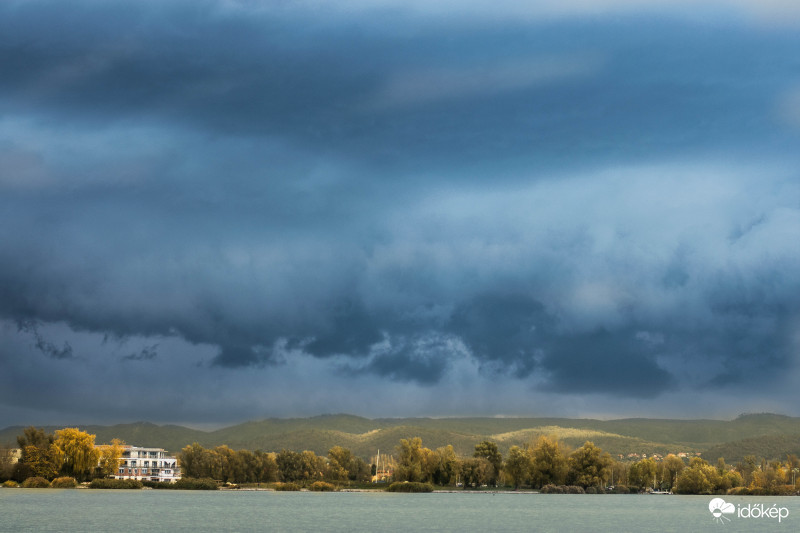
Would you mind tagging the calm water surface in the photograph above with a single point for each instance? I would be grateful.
(152, 510)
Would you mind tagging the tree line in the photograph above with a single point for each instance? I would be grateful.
(243, 466)
(542, 463)
(67, 452)
(547, 463)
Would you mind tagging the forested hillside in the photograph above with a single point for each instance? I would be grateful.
(763, 435)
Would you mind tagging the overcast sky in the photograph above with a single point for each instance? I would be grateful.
(221, 210)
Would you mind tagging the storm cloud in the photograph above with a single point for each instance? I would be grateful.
(246, 209)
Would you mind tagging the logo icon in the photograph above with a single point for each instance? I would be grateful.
(719, 508)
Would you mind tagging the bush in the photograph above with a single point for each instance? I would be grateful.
(64, 483)
(410, 486)
(108, 483)
(10, 484)
(322, 486)
(287, 486)
(553, 489)
(189, 483)
(623, 489)
(36, 483)
(589, 490)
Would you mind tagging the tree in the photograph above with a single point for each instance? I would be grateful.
(196, 461)
(673, 466)
(32, 436)
(266, 467)
(476, 471)
(44, 463)
(290, 465)
(589, 466)
(359, 470)
(38, 455)
(517, 466)
(447, 465)
(409, 465)
(643, 473)
(7, 460)
(110, 456)
(698, 478)
(313, 465)
(80, 455)
(339, 462)
(747, 467)
(488, 450)
(548, 463)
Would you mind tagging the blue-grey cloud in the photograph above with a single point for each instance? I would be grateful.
(583, 202)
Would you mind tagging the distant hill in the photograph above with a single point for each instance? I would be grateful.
(769, 447)
(365, 436)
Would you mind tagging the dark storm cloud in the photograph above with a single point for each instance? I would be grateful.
(390, 89)
(508, 330)
(147, 353)
(602, 361)
(47, 348)
(573, 204)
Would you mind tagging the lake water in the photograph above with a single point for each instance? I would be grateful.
(156, 510)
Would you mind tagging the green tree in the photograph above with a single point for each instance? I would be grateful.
(290, 466)
(488, 450)
(447, 466)
(673, 466)
(698, 478)
(643, 473)
(266, 467)
(339, 463)
(589, 466)
(476, 471)
(748, 465)
(80, 455)
(195, 461)
(517, 466)
(313, 465)
(409, 464)
(359, 470)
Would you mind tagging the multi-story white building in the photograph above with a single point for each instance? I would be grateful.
(148, 464)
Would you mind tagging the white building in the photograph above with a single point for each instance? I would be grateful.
(147, 464)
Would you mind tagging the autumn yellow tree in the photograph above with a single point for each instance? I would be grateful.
(80, 455)
(110, 455)
(548, 462)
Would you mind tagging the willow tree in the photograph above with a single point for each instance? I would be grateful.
(409, 465)
(80, 454)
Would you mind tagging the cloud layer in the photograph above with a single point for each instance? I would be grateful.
(240, 210)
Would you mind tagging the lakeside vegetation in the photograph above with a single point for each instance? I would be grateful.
(546, 463)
